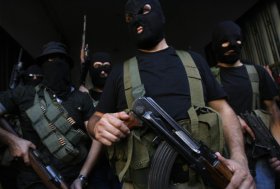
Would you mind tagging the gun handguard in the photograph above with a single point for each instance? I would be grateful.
(49, 176)
(265, 144)
(198, 156)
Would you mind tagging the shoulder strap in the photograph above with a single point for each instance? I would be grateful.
(254, 79)
(194, 79)
(216, 72)
(195, 87)
(134, 88)
(132, 82)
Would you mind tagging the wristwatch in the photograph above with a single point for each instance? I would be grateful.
(83, 179)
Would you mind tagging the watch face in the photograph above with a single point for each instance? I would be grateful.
(84, 180)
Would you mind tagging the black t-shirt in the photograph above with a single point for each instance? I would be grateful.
(236, 83)
(78, 105)
(95, 95)
(165, 80)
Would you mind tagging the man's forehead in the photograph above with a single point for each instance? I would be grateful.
(226, 30)
(133, 6)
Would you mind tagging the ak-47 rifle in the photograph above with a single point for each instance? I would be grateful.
(264, 144)
(84, 53)
(14, 80)
(198, 156)
(49, 176)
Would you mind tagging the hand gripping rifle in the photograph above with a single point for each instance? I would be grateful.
(198, 156)
(49, 176)
(14, 80)
(264, 144)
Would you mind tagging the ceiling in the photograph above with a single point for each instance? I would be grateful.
(32, 23)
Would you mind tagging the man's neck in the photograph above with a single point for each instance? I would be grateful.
(99, 90)
(160, 46)
(225, 65)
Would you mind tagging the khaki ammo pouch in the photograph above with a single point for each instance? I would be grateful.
(135, 153)
(54, 127)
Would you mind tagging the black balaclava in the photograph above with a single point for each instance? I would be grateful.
(152, 23)
(28, 75)
(227, 31)
(57, 76)
(97, 74)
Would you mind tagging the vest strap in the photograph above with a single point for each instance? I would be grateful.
(254, 78)
(132, 81)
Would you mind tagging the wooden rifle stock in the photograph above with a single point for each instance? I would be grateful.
(50, 178)
(219, 174)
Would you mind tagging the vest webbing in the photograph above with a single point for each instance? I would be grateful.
(254, 80)
(54, 126)
(134, 89)
(132, 85)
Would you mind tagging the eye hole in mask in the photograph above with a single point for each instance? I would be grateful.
(55, 57)
(146, 9)
(35, 76)
(98, 65)
(227, 43)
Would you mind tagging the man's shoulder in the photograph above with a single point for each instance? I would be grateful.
(23, 90)
(260, 69)
(77, 94)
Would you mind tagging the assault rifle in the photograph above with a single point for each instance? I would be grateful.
(264, 144)
(84, 53)
(198, 156)
(14, 80)
(84, 48)
(49, 176)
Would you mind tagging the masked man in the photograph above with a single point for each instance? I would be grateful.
(163, 78)
(98, 67)
(52, 117)
(235, 77)
(32, 75)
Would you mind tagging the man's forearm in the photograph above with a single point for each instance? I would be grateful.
(91, 123)
(6, 137)
(234, 137)
(232, 131)
(94, 153)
